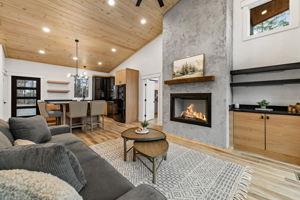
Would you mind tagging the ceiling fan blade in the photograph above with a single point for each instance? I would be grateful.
(161, 3)
(138, 3)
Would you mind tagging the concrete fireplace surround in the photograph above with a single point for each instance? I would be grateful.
(190, 28)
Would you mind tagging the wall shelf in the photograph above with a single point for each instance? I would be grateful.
(266, 69)
(58, 91)
(58, 82)
(190, 80)
(264, 83)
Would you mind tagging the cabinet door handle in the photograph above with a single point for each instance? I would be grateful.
(268, 117)
(262, 117)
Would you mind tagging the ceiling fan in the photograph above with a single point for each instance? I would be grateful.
(161, 3)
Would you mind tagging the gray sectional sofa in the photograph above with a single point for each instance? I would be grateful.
(104, 182)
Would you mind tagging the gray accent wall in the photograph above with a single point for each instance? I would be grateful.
(190, 28)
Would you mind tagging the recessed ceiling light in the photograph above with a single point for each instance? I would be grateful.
(143, 21)
(99, 63)
(42, 51)
(75, 58)
(114, 50)
(111, 2)
(46, 29)
(264, 12)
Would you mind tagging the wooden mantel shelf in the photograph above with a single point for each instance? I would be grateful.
(190, 80)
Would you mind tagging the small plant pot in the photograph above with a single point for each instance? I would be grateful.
(263, 107)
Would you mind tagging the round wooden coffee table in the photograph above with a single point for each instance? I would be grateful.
(130, 134)
(152, 151)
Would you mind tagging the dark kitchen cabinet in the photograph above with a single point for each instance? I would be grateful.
(103, 88)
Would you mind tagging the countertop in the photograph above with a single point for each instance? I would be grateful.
(279, 110)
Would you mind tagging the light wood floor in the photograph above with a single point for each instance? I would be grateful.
(271, 180)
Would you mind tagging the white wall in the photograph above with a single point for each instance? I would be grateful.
(1, 82)
(278, 48)
(46, 72)
(148, 61)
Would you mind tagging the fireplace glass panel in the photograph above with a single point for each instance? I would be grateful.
(192, 108)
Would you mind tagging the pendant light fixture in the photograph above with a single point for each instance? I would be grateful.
(76, 59)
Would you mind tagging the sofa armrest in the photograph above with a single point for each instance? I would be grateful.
(143, 192)
(57, 130)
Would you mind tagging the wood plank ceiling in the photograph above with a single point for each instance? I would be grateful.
(98, 26)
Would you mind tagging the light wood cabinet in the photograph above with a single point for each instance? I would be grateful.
(129, 78)
(273, 135)
(121, 77)
(249, 131)
(283, 134)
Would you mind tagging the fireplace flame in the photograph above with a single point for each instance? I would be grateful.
(192, 114)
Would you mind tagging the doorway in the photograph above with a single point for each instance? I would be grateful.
(25, 92)
(151, 100)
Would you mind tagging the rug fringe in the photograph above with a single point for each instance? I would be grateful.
(242, 188)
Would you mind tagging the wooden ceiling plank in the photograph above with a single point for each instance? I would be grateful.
(98, 26)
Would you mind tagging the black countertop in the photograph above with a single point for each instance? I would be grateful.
(279, 110)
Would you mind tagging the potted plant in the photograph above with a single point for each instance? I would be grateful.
(263, 104)
(145, 125)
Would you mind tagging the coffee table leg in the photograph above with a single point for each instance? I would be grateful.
(125, 150)
(154, 171)
(134, 155)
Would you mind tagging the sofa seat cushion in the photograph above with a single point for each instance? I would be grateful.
(4, 128)
(65, 139)
(34, 129)
(104, 182)
(143, 192)
(82, 152)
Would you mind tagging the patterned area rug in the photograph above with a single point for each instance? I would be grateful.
(186, 175)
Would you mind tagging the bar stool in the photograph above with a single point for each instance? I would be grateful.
(77, 110)
(97, 109)
(49, 113)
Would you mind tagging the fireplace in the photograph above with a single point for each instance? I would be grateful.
(191, 108)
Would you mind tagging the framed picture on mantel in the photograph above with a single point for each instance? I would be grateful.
(189, 67)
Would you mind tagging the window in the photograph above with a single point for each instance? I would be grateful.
(81, 87)
(261, 18)
(269, 16)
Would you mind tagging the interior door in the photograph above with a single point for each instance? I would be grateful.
(25, 93)
(150, 99)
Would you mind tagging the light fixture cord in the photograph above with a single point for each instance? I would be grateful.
(77, 57)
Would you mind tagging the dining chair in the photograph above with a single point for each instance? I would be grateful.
(97, 109)
(42, 105)
(77, 110)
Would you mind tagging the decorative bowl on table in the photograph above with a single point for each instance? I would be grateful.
(142, 131)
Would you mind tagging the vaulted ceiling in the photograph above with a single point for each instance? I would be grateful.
(98, 26)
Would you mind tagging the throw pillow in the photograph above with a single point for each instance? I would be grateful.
(4, 141)
(4, 128)
(34, 129)
(20, 142)
(77, 167)
(28, 185)
(49, 158)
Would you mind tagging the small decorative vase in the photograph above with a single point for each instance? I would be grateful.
(263, 107)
